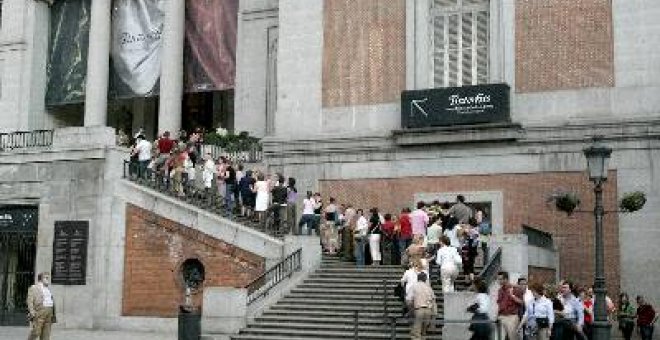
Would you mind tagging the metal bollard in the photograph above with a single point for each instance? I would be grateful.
(190, 324)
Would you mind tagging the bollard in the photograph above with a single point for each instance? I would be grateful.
(190, 324)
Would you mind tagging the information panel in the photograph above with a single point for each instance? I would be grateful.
(70, 253)
(464, 105)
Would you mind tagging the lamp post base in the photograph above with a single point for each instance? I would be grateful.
(602, 330)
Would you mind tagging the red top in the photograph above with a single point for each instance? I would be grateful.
(645, 315)
(406, 226)
(506, 305)
(165, 145)
(588, 304)
(388, 228)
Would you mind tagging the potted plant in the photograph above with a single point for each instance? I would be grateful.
(566, 201)
(632, 201)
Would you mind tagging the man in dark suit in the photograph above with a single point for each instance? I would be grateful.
(41, 307)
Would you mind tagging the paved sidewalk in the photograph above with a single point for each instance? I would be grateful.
(21, 333)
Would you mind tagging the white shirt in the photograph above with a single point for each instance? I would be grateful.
(528, 297)
(48, 297)
(453, 237)
(308, 206)
(446, 256)
(408, 280)
(362, 226)
(143, 148)
(541, 308)
(483, 301)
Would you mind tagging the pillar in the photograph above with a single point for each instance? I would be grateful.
(98, 62)
(171, 78)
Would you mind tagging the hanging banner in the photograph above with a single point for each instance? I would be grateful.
(137, 28)
(67, 62)
(210, 48)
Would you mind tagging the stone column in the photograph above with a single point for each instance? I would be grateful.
(171, 78)
(98, 62)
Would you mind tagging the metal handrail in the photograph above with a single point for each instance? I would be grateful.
(492, 268)
(26, 139)
(209, 200)
(356, 312)
(263, 284)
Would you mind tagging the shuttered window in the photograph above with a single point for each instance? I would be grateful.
(460, 42)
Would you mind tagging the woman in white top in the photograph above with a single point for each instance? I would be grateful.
(261, 203)
(481, 309)
(410, 277)
(453, 235)
(539, 316)
(448, 259)
(208, 171)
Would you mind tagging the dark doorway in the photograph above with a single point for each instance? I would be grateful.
(208, 110)
(18, 236)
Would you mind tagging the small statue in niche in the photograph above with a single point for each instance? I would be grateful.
(193, 277)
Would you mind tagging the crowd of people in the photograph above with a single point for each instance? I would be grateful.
(438, 236)
(561, 312)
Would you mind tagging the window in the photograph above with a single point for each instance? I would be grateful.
(460, 38)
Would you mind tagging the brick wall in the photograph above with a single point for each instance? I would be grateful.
(155, 249)
(563, 44)
(364, 52)
(525, 202)
(541, 275)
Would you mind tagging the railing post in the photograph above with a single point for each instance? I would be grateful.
(393, 328)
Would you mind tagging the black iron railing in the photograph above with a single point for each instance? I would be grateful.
(538, 238)
(356, 313)
(25, 139)
(492, 268)
(262, 285)
(208, 199)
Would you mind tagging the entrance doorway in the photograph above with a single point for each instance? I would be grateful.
(208, 110)
(18, 237)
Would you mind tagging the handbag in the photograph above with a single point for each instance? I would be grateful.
(542, 323)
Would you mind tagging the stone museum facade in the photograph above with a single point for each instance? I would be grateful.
(321, 82)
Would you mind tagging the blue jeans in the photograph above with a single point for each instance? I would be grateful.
(308, 221)
(403, 245)
(229, 198)
(359, 250)
(646, 332)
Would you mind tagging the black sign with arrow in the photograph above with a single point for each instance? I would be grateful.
(455, 106)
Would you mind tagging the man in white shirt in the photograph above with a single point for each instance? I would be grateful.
(539, 316)
(307, 218)
(41, 307)
(143, 151)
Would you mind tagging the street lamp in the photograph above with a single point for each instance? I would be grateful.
(598, 156)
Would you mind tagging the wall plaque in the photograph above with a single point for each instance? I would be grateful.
(455, 106)
(70, 253)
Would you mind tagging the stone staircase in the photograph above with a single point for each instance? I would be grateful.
(323, 306)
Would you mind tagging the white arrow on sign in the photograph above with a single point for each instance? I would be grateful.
(414, 103)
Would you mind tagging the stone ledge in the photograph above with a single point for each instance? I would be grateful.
(459, 134)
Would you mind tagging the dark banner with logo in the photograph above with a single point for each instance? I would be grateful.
(455, 106)
(67, 62)
(210, 48)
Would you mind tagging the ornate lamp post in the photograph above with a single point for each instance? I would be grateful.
(598, 156)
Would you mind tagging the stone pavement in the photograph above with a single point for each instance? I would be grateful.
(21, 333)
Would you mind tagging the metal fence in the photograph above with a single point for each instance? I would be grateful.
(207, 199)
(25, 139)
(538, 238)
(262, 285)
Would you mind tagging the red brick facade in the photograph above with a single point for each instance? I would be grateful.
(364, 52)
(155, 250)
(524, 202)
(542, 275)
(563, 44)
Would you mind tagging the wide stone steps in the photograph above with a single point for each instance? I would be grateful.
(323, 306)
(325, 334)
